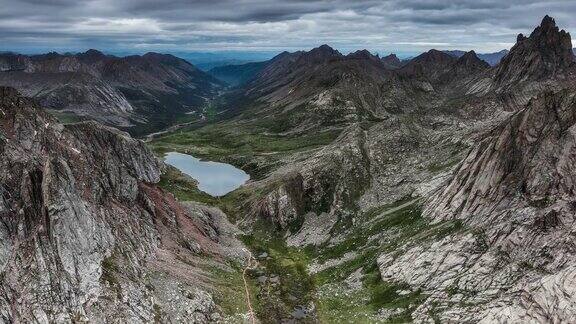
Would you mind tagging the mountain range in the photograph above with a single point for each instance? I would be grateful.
(437, 189)
(152, 90)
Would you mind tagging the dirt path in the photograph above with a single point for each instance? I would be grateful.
(252, 264)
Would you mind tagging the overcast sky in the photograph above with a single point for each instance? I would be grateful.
(402, 26)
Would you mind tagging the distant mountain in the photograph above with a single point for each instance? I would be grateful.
(322, 87)
(491, 58)
(430, 65)
(149, 90)
(209, 60)
(207, 66)
(392, 61)
(235, 75)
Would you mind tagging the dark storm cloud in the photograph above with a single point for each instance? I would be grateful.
(393, 25)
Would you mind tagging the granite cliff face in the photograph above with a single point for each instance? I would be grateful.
(86, 233)
(513, 193)
(546, 53)
(148, 89)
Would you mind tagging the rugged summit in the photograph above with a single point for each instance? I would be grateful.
(516, 187)
(391, 61)
(492, 59)
(472, 61)
(430, 65)
(86, 233)
(121, 91)
(546, 53)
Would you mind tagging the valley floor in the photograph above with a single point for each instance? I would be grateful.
(333, 280)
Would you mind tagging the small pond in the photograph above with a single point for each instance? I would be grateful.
(214, 178)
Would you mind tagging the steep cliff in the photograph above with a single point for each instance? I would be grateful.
(86, 233)
(546, 53)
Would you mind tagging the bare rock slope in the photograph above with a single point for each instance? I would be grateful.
(86, 235)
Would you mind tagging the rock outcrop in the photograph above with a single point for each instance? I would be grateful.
(546, 53)
(86, 233)
(391, 61)
(514, 191)
(430, 65)
(525, 159)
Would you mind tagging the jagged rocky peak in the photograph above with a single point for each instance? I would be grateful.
(523, 161)
(392, 60)
(434, 56)
(549, 34)
(470, 59)
(323, 52)
(363, 54)
(431, 65)
(546, 52)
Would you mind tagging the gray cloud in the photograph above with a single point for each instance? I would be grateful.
(408, 26)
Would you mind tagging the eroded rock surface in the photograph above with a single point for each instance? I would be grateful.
(87, 235)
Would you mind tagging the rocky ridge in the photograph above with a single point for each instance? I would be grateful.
(119, 91)
(391, 61)
(86, 233)
(546, 53)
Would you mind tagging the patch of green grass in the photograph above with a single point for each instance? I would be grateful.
(229, 292)
(250, 148)
(437, 167)
(183, 187)
(108, 276)
(345, 306)
(342, 271)
(375, 211)
(362, 306)
(406, 221)
(296, 287)
(219, 138)
(157, 313)
(109, 268)
(210, 112)
(386, 295)
(65, 117)
(447, 228)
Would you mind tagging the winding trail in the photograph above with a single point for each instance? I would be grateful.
(249, 266)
